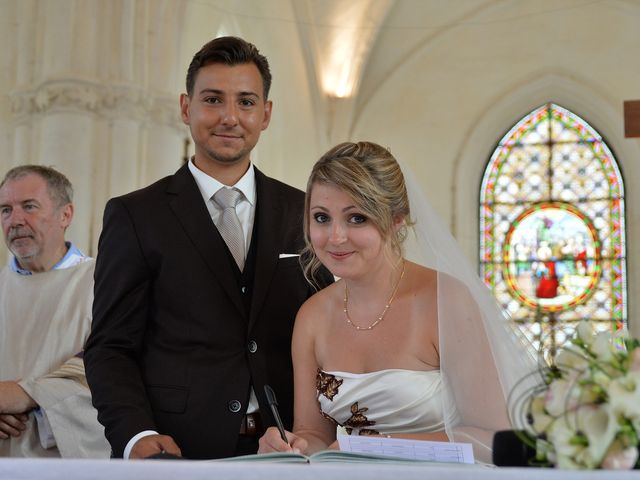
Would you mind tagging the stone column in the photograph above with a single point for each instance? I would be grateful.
(93, 94)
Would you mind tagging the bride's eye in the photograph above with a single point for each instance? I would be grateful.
(357, 219)
(321, 217)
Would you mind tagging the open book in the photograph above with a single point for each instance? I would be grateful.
(357, 449)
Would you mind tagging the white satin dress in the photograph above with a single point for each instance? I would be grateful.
(382, 402)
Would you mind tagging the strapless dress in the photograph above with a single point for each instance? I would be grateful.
(382, 402)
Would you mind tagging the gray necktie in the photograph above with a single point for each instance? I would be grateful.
(228, 223)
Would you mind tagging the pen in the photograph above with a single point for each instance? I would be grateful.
(273, 403)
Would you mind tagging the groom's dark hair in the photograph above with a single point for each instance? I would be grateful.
(229, 51)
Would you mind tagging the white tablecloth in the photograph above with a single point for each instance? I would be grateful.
(47, 469)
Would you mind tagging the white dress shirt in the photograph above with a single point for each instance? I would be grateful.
(245, 209)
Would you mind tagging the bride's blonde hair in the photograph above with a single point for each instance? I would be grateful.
(371, 176)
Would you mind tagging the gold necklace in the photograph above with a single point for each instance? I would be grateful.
(384, 311)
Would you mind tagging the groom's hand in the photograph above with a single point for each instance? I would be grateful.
(154, 445)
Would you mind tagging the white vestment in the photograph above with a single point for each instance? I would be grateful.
(44, 321)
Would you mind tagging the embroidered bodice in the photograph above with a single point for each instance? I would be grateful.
(382, 402)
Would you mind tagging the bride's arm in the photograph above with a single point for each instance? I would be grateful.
(311, 431)
(318, 431)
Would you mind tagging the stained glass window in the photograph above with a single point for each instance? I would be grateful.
(552, 232)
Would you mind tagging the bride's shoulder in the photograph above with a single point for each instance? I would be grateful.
(425, 277)
(421, 277)
(322, 301)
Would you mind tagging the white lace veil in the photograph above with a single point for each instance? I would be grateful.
(483, 356)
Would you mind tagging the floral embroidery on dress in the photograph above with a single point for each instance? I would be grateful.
(359, 420)
(327, 384)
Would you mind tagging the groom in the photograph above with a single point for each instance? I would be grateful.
(197, 283)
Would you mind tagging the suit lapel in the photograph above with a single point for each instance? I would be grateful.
(271, 212)
(186, 202)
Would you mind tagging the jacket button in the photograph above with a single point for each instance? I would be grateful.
(235, 406)
(252, 346)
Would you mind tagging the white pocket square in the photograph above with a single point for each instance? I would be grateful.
(287, 255)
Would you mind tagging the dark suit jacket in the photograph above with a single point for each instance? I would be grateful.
(172, 348)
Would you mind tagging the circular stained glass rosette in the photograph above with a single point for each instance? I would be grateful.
(552, 257)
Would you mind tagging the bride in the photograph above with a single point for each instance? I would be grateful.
(399, 348)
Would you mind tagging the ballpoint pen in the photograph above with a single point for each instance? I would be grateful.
(273, 403)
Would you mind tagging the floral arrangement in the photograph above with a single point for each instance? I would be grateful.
(587, 413)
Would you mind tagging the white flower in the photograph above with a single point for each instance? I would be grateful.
(560, 397)
(584, 332)
(602, 379)
(589, 414)
(585, 459)
(567, 462)
(620, 458)
(599, 424)
(624, 395)
(602, 347)
(560, 435)
(571, 359)
(541, 420)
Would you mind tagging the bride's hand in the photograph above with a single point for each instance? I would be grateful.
(334, 446)
(271, 441)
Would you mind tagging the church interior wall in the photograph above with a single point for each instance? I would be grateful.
(92, 87)
(444, 109)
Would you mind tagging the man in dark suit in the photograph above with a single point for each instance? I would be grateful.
(191, 321)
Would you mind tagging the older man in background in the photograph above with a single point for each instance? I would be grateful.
(46, 294)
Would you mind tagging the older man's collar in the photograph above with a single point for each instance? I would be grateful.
(71, 258)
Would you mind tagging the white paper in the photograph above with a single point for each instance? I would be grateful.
(410, 449)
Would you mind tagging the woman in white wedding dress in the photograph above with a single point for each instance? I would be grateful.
(407, 349)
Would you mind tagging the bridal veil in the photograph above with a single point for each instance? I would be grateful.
(483, 355)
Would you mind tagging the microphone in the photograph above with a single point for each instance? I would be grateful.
(510, 451)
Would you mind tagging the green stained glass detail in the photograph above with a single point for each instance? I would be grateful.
(552, 232)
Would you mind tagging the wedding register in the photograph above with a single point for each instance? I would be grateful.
(423, 450)
(358, 449)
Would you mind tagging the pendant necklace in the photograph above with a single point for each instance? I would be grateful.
(384, 311)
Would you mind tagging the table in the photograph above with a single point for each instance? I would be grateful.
(57, 469)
